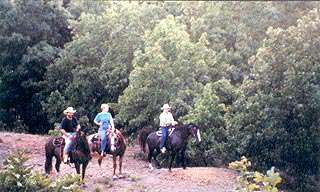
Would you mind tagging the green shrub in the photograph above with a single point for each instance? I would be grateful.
(253, 180)
(69, 182)
(55, 131)
(16, 176)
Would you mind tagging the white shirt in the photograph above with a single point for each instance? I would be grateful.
(166, 119)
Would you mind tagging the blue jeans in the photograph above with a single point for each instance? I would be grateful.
(69, 141)
(103, 137)
(164, 131)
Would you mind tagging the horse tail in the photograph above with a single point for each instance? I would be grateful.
(142, 137)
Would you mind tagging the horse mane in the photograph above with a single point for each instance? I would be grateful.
(121, 137)
(183, 128)
(83, 144)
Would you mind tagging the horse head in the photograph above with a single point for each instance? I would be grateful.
(195, 132)
(116, 140)
(81, 142)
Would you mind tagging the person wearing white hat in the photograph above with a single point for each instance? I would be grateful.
(166, 120)
(68, 127)
(105, 122)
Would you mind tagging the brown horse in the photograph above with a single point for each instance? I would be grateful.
(53, 148)
(79, 155)
(116, 146)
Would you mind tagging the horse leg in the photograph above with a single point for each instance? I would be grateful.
(173, 154)
(150, 159)
(48, 164)
(58, 162)
(84, 167)
(157, 152)
(120, 165)
(77, 165)
(100, 160)
(183, 158)
(114, 166)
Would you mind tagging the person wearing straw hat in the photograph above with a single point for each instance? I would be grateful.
(68, 127)
(166, 120)
(105, 122)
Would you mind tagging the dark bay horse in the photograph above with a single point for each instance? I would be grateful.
(116, 146)
(53, 148)
(177, 142)
(80, 153)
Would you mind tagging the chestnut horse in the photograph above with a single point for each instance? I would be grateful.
(116, 146)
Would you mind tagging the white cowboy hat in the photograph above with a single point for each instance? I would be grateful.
(165, 106)
(69, 110)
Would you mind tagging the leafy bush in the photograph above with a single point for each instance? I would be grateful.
(254, 180)
(17, 176)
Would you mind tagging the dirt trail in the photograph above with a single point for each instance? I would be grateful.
(137, 175)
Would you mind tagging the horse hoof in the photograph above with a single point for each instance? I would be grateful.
(114, 177)
(150, 166)
(82, 182)
(121, 176)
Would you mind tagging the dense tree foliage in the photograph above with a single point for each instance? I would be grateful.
(246, 72)
(32, 34)
(280, 107)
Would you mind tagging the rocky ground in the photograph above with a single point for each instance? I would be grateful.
(137, 175)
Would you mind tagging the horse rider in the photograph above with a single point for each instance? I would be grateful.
(68, 127)
(105, 122)
(166, 120)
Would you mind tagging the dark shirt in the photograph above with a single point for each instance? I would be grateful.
(69, 126)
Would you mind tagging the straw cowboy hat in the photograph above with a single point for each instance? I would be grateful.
(165, 106)
(69, 110)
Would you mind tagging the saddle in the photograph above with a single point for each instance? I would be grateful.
(95, 139)
(58, 142)
(170, 131)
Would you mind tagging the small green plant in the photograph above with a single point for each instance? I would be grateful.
(16, 176)
(250, 181)
(107, 181)
(136, 188)
(54, 132)
(38, 182)
(134, 178)
(98, 189)
(139, 155)
(69, 182)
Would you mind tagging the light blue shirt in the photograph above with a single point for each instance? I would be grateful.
(103, 117)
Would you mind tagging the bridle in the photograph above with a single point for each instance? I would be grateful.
(195, 132)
